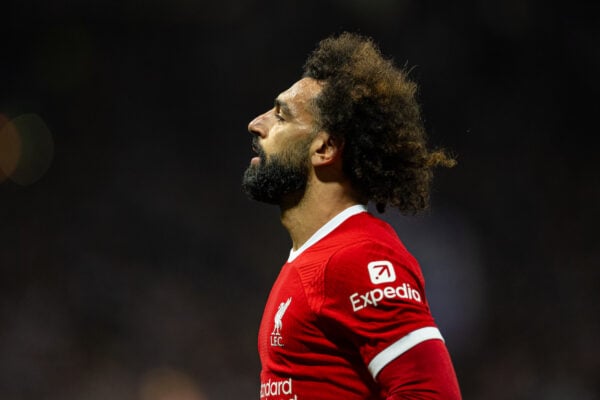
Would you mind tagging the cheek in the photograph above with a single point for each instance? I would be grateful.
(286, 141)
(267, 148)
(274, 143)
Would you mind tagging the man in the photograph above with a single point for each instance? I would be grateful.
(347, 317)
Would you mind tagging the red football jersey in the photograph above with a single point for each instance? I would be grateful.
(347, 303)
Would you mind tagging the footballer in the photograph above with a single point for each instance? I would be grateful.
(347, 317)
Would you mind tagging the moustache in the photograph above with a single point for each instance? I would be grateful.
(257, 148)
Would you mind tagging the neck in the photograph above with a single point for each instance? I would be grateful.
(302, 218)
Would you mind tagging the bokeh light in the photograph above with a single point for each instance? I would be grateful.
(10, 148)
(26, 149)
(169, 384)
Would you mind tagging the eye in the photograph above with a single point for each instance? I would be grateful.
(279, 118)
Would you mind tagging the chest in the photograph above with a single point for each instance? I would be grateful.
(289, 329)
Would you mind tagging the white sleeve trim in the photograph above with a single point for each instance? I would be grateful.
(402, 346)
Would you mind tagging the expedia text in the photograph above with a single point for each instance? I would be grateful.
(375, 296)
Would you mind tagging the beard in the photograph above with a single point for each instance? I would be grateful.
(283, 174)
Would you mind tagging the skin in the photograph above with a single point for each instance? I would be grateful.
(328, 192)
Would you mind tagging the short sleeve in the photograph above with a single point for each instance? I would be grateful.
(374, 301)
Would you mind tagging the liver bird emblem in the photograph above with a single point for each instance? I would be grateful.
(279, 315)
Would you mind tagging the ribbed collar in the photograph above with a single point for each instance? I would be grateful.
(328, 228)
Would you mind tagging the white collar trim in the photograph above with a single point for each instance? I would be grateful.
(328, 228)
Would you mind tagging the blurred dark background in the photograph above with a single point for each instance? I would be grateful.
(132, 266)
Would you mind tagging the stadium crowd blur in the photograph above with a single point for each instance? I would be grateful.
(131, 265)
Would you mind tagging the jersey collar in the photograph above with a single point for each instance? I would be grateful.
(328, 228)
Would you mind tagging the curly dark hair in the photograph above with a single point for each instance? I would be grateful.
(370, 105)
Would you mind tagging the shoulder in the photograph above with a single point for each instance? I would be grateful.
(372, 263)
(369, 244)
(363, 252)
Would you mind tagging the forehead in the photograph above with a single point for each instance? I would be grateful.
(300, 95)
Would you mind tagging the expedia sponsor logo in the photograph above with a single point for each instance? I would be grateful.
(374, 297)
(381, 272)
(278, 388)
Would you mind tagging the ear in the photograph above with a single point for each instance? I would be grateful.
(325, 150)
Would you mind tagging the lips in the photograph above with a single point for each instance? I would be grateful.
(258, 150)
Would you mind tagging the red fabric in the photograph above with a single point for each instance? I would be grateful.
(342, 302)
(425, 372)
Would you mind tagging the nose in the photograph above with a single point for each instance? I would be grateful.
(258, 126)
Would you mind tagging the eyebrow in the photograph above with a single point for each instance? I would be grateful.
(283, 107)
